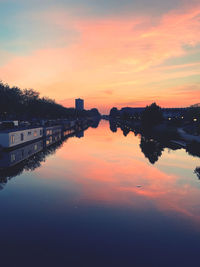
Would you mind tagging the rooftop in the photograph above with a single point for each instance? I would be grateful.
(18, 129)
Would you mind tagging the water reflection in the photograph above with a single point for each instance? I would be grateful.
(111, 169)
(113, 126)
(151, 148)
(30, 156)
(153, 144)
(98, 193)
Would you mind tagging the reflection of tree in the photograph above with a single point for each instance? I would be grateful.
(152, 115)
(95, 123)
(197, 172)
(193, 149)
(113, 126)
(151, 148)
(125, 130)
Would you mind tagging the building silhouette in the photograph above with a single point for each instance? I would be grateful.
(79, 104)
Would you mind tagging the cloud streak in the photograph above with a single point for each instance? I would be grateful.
(114, 56)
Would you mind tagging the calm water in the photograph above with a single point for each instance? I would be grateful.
(98, 201)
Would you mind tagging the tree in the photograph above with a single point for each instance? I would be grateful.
(94, 112)
(152, 115)
(27, 105)
(114, 112)
(125, 116)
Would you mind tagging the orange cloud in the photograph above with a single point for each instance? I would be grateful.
(116, 54)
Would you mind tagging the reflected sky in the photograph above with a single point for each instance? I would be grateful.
(110, 168)
(98, 200)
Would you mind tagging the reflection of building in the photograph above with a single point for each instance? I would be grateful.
(15, 160)
(11, 158)
(51, 139)
(79, 104)
(14, 156)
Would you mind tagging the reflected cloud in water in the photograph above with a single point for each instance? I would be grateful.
(102, 186)
(111, 170)
(109, 166)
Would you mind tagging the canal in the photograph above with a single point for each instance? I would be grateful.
(99, 200)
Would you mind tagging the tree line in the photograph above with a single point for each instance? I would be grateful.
(153, 115)
(27, 104)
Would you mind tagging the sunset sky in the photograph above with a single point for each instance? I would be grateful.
(109, 52)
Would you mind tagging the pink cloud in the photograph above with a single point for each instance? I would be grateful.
(111, 59)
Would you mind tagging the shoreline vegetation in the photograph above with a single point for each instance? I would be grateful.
(183, 124)
(22, 111)
(27, 105)
(160, 128)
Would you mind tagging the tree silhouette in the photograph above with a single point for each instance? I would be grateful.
(27, 105)
(152, 149)
(113, 126)
(193, 148)
(152, 115)
(114, 112)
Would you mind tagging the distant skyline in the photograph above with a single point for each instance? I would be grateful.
(108, 52)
